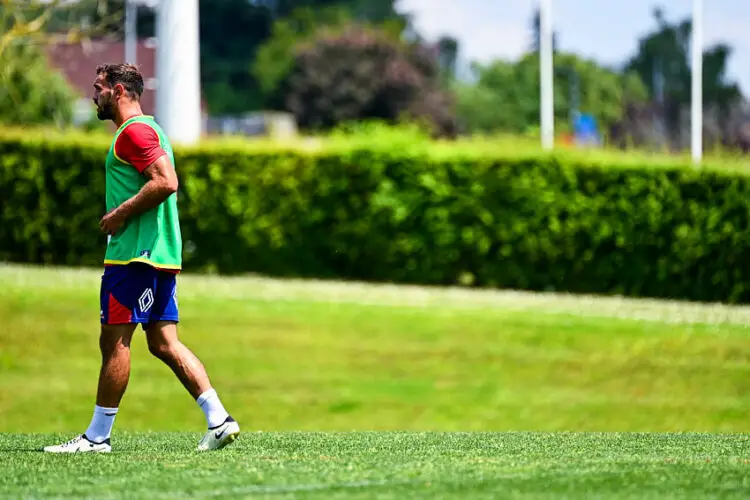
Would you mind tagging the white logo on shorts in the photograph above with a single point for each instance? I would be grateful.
(146, 300)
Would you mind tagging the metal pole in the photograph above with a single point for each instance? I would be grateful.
(547, 116)
(178, 104)
(696, 107)
(131, 31)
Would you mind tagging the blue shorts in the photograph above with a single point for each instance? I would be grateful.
(137, 293)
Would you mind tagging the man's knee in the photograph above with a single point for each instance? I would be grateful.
(160, 348)
(162, 339)
(114, 338)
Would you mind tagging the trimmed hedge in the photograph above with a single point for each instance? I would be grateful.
(421, 214)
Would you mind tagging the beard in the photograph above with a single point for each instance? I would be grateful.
(105, 111)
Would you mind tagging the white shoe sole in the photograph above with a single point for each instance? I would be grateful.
(230, 438)
(226, 440)
(62, 452)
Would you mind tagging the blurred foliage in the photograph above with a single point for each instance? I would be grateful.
(368, 131)
(30, 92)
(249, 50)
(662, 61)
(243, 61)
(96, 17)
(645, 104)
(506, 97)
(231, 32)
(275, 57)
(360, 72)
(536, 33)
(415, 211)
(447, 47)
(45, 21)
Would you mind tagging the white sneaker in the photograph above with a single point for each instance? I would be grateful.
(218, 437)
(80, 444)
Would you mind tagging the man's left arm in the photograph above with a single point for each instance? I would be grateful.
(138, 146)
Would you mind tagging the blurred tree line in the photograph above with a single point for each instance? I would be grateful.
(644, 103)
(29, 92)
(333, 61)
(663, 64)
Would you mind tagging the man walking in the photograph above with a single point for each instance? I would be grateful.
(143, 258)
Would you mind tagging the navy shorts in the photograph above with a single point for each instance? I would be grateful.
(137, 293)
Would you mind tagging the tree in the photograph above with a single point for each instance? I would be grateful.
(362, 73)
(107, 16)
(30, 91)
(663, 63)
(448, 55)
(41, 22)
(275, 57)
(231, 33)
(536, 32)
(232, 80)
(506, 94)
(376, 11)
(225, 53)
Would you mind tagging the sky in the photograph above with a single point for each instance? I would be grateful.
(604, 30)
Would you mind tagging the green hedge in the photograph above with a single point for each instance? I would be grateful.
(421, 214)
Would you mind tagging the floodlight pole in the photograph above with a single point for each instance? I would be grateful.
(178, 105)
(547, 116)
(696, 105)
(131, 32)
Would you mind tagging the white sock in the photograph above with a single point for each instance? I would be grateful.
(212, 408)
(101, 424)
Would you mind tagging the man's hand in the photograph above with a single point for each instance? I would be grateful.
(112, 222)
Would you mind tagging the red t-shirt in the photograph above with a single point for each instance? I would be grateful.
(138, 145)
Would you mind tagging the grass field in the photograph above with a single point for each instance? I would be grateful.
(389, 465)
(358, 391)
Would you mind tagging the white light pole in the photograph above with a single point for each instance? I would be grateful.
(547, 116)
(131, 31)
(178, 106)
(131, 27)
(696, 106)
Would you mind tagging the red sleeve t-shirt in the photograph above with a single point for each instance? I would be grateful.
(139, 145)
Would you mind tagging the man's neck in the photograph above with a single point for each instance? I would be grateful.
(126, 114)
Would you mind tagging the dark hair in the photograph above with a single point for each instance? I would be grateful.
(125, 74)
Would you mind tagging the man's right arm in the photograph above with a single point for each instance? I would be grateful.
(162, 182)
(138, 145)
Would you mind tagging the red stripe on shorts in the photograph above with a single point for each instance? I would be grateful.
(118, 313)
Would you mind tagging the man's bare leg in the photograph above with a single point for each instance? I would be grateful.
(114, 344)
(165, 345)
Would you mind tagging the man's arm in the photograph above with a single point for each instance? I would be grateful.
(162, 182)
(139, 146)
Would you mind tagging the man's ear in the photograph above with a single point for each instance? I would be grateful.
(119, 90)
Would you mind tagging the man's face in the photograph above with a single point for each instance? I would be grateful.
(104, 99)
